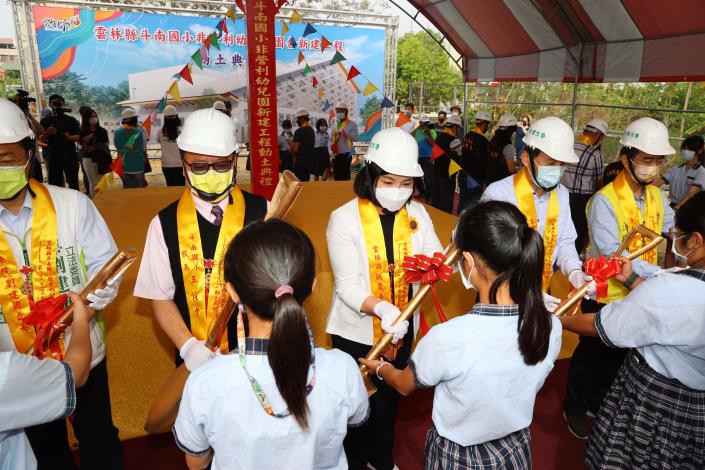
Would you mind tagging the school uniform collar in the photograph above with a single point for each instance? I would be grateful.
(256, 346)
(492, 310)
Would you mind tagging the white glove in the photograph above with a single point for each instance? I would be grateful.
(101, 298)
(578, 279)
(388, 313)
(551, 302)
(195, 353)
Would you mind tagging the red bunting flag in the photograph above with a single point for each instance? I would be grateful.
(314, 82)
(207, 42)
(331, 115)
(354, 72)
(224, 26)
(301, 57)
(240, 5)
(186, 74)
(436, 152)
(147, 124)
(325, 43)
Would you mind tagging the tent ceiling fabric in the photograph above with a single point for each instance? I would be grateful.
(549, 40)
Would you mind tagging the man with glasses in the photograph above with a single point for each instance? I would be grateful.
(36, 219)
(181, 269)
(630, 200)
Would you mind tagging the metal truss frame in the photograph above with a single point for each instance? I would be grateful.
(29, 54)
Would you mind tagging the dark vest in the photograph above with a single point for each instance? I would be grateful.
(255, 209)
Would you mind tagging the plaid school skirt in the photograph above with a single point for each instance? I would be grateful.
(648, 421)
(511, 452)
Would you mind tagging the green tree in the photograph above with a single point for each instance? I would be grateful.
(104, 99)
(421, 59)
(371, 106)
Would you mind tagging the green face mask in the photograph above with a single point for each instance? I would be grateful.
(12, 180)
(212, 185)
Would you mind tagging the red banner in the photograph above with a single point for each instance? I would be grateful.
(262, 70)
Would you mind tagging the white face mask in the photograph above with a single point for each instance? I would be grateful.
(408, 113)
(687, 155)
(341, 116)
(393, 199)
(646, 173)
(681, 259)
(466, 280)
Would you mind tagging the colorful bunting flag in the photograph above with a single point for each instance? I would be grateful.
(401, 120)
(207, 42)
(186, 74)
(387, 103)
(197, 59)
(331, 114)
(453, 168)
(354, 72)
(231, 14)
(307, 70)
(314, 82)
(224, 26)
(174, 91)
(285, 28)
(338, 57)
(301, 57)
(295, 17)
(320, 93)
(326, 106)
(369, 89)
(309, 29)
(117, 165)
(291, 43)
(240, 5)
(436, 152)
(214, 41)
(344, 71)
(325, 43)
(161, 105)
(147, 124)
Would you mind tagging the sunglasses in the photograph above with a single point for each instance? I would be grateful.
(201, 168)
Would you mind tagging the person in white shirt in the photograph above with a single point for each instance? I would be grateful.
(537, 192)
(654, 413)
(171, 158)
(277, 402)
(487, 365)
(687, 179)
(368, 239)
(34, 391)
(411, 124)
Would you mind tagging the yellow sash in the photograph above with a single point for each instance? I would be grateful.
(44, 277)
(584, 139)
(377, 257)
(525, 200)
(205, 297)
(628, 216)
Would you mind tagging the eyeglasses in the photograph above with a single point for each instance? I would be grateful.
(201, 168)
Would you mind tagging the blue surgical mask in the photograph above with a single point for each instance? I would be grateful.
(548, 177)
(687, 155)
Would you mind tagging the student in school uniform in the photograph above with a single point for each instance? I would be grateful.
(687, 179)
(277, 402)
(654, 414)
(537, 192)
(34, 391)
(487, 365)
(321, 155)
(368, 238)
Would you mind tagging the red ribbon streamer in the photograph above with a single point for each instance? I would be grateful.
(44, 316)
(428, 270)
(602, 269)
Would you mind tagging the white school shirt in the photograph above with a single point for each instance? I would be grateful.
(680, 180)
(664, 318)
(155, 281)
(219, 410)
(171, 157)
(564, 253)
(351, 269)
(484, 389)
(31, 392)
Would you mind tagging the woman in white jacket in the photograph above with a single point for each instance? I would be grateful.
(368, 239)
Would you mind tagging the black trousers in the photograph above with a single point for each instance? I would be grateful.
(592, 370)
(99, 445)
(63, 165)
(303, 164)
(578, 204)
(373, 442)
(427, 167)
(341, 167)
(442, 189)
(174, 176)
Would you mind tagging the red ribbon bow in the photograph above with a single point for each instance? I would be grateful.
(602, 269)
(428, 270)
(44, 316)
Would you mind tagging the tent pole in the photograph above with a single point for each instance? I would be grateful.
(578, 71)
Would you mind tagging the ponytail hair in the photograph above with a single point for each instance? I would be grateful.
(263, 257)
(497, 233)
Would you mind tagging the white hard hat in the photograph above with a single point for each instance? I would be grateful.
(341, 106)
(507, 120)
(553, 137)
(219, 105)
(454, 119)
(396, 152)
(301, 112)
(128, 113)
(208, 132)
(483, 116)
(170, 111)
(424, 118)
(597, 124)
(647, 135)
(14, 126)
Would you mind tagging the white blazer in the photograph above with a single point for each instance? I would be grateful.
(348, 258)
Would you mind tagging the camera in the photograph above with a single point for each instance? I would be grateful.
(22, 99)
